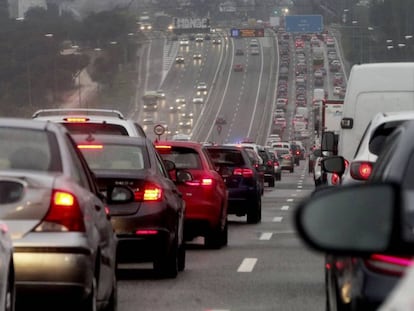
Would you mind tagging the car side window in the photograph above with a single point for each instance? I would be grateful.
(78, 173)
(160, 165)
(362, 139)
(382, 163)
(408, 181)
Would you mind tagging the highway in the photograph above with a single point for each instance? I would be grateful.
(264, 266)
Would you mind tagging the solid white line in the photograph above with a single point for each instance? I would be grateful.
(285, 207)
(265, 236)
(247, 265)
(289, 200)
(277, 219)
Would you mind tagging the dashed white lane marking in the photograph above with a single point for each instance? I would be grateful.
(266, 236)
(289, 200)
(277, 219)
(285, 207)
(300, 187)
(247, 265)
(218, 310)
(298, 190)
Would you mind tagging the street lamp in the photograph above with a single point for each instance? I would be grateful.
(354, 25)
(370, 29)
(51, 36)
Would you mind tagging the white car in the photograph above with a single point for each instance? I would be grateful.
(184, 42)
(198, 100)
(201, 88)
(337, 90)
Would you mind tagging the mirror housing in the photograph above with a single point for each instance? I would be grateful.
(356, 220)
(333, 164)
(329, 142)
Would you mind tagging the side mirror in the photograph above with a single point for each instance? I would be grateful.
(183, 177)
(355, 220)
(334, 164)
(328, 142)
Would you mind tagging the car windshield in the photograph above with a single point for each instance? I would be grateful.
(212, 72)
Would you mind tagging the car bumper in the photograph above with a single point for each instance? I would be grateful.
(240, 199)
(60, 273)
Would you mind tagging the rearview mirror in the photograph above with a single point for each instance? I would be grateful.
(354, 220)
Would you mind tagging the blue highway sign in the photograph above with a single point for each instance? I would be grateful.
(304, 23)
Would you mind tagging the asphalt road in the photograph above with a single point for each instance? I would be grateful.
(264, 266)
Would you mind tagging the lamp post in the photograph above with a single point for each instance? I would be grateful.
(28, 69)
(402, 46)
(407, 51)
(51, 36)
(370, 29)
(354, 25)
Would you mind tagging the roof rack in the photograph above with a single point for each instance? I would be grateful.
(82, 111)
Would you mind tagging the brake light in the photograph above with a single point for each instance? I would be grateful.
(270, 163)
(162, 147)
(335, 179)
(286, 157)
(77, 120)
(64, 214)
(346, 163)
(146, 232)
(202, 182)
(297, 152)
(361, 170)
(245, 172)
(391, 265)
(90, 146)
(150, 192)
(276, 163)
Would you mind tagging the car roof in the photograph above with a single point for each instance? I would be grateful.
(179, 143)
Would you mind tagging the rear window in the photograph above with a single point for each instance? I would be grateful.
(96, 128)
(115, 157)
(282, 151)
(27, 149)
(227, 157)
(183, 157)
(379, 136)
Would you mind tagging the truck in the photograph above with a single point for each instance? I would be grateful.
(318, 57)
(332, 115)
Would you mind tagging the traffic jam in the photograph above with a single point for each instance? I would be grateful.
(160, 201)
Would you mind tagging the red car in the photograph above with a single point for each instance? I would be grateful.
(238, 67)
(205, 194)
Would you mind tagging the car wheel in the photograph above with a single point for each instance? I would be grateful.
(215, 238)
(181, 257)
(292, 169)
(113, 299)
(89, 304)
(10, 292)
(166, 265)
(225, 234)
(279, 176)
(254, 214)
(272, 182)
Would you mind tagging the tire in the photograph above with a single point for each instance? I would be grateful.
(272, 182)
(292, 169)
(166, 265)
(254, 214)
(113, 299)
(10, 292)
(225, 234)
(216, 238)
(181, 257)
(279, 176)
(89, 304)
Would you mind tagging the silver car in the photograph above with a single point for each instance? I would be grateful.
(63, 240)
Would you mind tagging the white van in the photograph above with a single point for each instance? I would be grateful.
(373, 88)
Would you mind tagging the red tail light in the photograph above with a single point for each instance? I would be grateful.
(286, 157)
(149, 192)
(146, 232)
(391, 265)
(276, 163)
(361, 170)
(202, 182)
(297, 152)
(245, 172)
(270, 163)
(64, 214)
(335, 179)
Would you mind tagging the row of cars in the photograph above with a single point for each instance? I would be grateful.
(85, 190)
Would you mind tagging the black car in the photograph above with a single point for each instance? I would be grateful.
(267, 167)
(370, 280)
(242, 181)
(149, 224)
(297, 153)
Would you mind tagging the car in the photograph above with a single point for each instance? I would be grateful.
(201, 88)
(286, 159)
(216, 41)
(238, 68)
(148, 121)
(205, 196)
(174, 108)
(297, 153)
(179, 59)
(62, 238)
(83, 120)
(198, 100)
(147, 214)
(7, 271)
(239, 52)
(153, 95)
(254, 51)
(276, 163)
(207, 36)
(359, 167)
(197, 56)
(185, 124)
(186, 116)
(180, 100)
(184, 42)
(241, 178)
(199, 39)
(337, 90)
(280, 121)
(267, 166)
(279, 113)
(150, 107)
